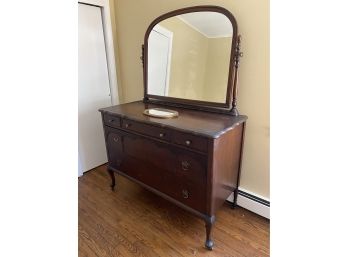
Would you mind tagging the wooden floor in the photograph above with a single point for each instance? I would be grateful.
(132, 221)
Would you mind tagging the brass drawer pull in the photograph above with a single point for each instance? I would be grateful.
(185, 165)
(116, 139)
(188, 142)
(185, 194)
(111, 120)
(128, 125)
(161, 134)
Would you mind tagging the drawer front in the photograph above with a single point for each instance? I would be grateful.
(191, 141)
(152, 152)
(112, 121)
(186, 192)
(146, 129)
(143, 172)
(190, 166)
(180, 163)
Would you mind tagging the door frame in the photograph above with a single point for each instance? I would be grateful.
(158, 28)
(109, 45)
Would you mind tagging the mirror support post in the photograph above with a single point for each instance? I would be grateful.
(142, 58)
(142, 55)
(238, 54)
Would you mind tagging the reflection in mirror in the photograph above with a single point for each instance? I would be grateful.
(189, 57)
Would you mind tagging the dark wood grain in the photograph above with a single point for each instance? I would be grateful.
(135, 222)
(195, 122)
(178, 173)
(225, 181)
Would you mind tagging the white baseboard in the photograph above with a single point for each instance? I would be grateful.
(252, 202)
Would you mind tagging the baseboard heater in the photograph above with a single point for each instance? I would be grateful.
(252, 203)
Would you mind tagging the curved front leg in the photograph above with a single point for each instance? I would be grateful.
(112, 175)
(208, 228)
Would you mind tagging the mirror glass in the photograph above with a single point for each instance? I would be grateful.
(189, 57)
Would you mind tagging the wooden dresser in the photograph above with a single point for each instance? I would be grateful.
(192, 160)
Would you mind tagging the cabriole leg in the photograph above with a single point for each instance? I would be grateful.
(208, 228)
(112, 175)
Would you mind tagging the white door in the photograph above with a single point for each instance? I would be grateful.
(159, 52)
(94, 88)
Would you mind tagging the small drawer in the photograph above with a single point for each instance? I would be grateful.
(111, 121)
(149, 130)
(191, 141)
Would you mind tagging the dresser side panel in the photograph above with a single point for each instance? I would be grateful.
(225, 166)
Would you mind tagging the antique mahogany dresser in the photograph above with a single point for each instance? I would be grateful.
(192, 158)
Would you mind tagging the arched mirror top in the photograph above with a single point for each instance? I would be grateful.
(190, 59)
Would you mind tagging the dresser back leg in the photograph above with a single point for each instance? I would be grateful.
(235, 195)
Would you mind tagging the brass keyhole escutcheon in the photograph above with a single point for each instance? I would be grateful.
(116, 139)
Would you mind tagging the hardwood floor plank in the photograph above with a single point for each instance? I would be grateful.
(84, 249)
(132, 221)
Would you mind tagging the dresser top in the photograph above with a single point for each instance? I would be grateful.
(192, 121)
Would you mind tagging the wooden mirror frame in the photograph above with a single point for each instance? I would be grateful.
(229, 107)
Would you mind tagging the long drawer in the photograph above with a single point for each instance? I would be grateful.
(146, 129)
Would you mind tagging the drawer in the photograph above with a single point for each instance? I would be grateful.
(186, 192)
(191, 141)
(190, 166)
(183, 164)
(111, 121)
(149, 130)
